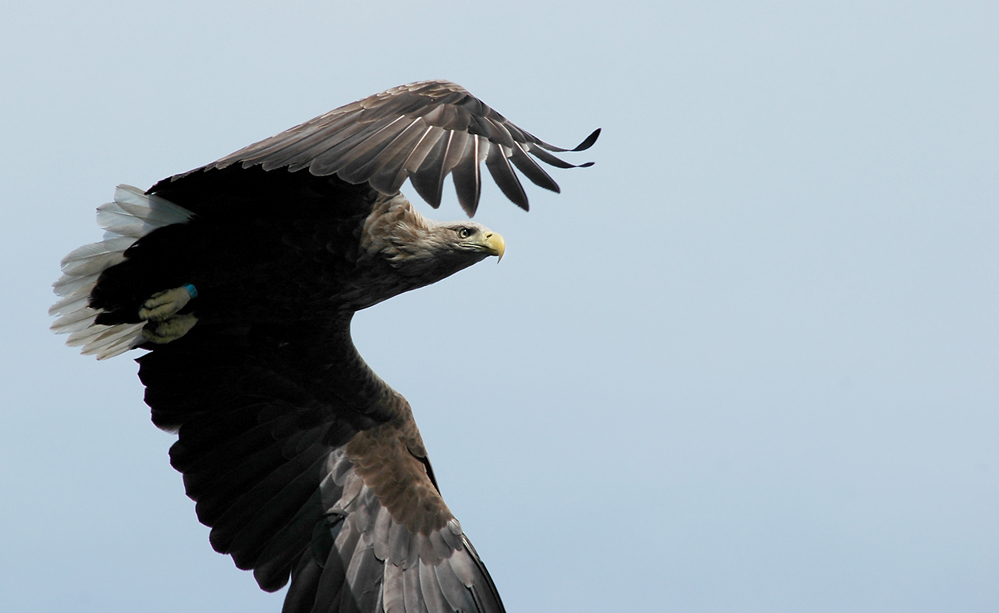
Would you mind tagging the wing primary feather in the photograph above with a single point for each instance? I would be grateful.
(426, 180)
(456, 150)
(499, 167)
(492, 126)
(467, 182)
(532, 170)
(480, 126)
(551, 160)
(586, 144)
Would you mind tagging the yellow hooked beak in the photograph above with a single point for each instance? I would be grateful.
(494, 244)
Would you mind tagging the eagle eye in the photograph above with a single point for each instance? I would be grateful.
(465, 232)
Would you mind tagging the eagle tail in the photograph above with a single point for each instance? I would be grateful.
(132, 215)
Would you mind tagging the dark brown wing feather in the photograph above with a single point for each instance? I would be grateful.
(304, 463)
(422, 131)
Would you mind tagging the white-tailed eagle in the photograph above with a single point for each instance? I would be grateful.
(241, 278)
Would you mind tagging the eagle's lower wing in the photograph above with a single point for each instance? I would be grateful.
(361, 559)
(295, 476)
(422, 131)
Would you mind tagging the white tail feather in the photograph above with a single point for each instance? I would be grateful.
(68, 285)
(132, 215)
(69, 304)
(73, 321)
(86, 252)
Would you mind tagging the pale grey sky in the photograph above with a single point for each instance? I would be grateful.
(749, 361)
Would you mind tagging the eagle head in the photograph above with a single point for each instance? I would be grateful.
(419, 251)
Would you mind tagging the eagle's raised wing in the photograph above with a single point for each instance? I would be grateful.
(422, 131)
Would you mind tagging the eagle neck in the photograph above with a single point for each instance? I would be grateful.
(354, 385)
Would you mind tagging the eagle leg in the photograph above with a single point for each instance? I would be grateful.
(164, 305)
(165, 325)
(163, 332)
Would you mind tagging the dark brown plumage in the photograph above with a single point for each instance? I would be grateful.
(241, 278)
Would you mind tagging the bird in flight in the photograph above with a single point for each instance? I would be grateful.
(241, 277)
